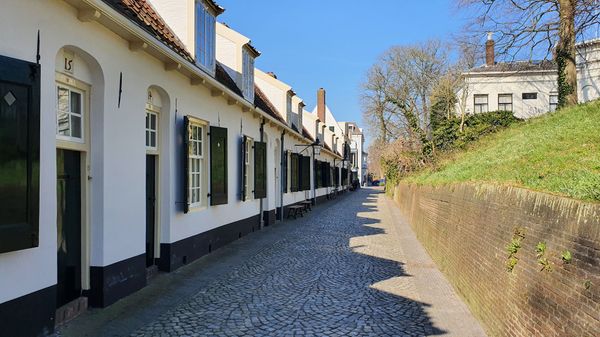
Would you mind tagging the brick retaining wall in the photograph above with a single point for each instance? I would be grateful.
(466, 229)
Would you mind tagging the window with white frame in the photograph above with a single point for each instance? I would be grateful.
(249, 168)
(69, 113)
(151, 130)
(481, 103)
(196, 165)
(288, 107)
(248, 75)
(505, 102)
(205, 35)
(553, 102)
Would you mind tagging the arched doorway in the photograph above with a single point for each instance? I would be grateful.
(79, 89)
(157, 114)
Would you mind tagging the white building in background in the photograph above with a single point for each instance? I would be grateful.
(358, 154)
(527, 88)
(142, 140)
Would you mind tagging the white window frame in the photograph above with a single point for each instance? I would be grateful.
(197, 165)
(205, 38)
(249, 168)
(482, 107)
(504, 105)
(248, 75)
(81, 115)
(151, 112)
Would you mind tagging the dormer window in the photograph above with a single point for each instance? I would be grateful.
(248, 75)
(288, 108)
(205, 36)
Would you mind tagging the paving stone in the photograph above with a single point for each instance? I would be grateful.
(340, 271)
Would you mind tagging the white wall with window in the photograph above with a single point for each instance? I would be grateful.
(553, 101)
(505, 102)
(480, 103)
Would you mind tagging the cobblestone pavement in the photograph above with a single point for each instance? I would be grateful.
(350, 268)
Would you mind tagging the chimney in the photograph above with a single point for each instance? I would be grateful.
(321, 105)
(490, 57)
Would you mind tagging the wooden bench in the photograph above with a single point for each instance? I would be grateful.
(307, 205)
(294, 210)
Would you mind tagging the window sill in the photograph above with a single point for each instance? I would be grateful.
(197, 209)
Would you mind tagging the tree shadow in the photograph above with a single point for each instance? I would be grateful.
(322, 275)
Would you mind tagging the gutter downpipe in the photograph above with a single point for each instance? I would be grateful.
(262, 215)
(281, 175)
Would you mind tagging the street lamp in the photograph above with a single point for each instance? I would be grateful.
(316, 150)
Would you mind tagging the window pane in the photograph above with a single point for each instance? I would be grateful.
(75, 126)
(153, 121)
(505, 99)
(63, 123)
(481, 99)
(63, 99)
(75, 103)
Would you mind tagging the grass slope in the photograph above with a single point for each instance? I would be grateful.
(557, 153)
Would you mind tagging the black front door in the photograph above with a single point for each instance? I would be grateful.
(150, 208)
(68, 185)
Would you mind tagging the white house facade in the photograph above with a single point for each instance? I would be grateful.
(524, 87)
(137, 136)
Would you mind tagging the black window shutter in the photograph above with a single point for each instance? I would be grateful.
(318, 174)
(243, 142)
(284, 173)
(305, 173)
(19, 154)
(186, 164)
(218, 165)
(260, 170)
(294, 173)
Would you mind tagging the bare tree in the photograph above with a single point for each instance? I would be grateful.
(397, 92)
(546, 28)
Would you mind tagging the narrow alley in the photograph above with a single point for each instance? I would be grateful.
(350, 268)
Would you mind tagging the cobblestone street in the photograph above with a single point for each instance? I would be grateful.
(349, 268)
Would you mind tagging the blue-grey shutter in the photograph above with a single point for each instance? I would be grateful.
(186, 164)
(260, 170)
(19, 154)
(243, 141)
(218, 165)
(284, 173)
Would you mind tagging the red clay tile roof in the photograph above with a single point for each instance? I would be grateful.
(261, 101)
(142, 13)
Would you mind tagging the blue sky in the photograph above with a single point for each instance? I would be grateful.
(332, 43)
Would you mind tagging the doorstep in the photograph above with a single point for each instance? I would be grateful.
(70, 311)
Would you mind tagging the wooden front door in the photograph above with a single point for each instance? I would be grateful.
(150, 208)
(68, 185)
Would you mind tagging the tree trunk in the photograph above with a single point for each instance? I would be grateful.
(382, 127)
(565, 54)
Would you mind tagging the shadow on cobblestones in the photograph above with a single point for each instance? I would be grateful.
(333, 273)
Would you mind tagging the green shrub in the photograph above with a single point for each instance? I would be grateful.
(447, 136)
